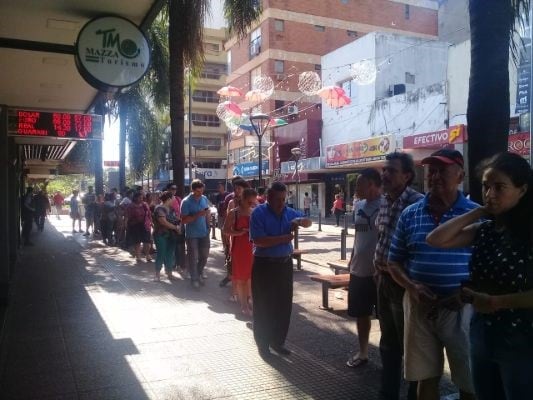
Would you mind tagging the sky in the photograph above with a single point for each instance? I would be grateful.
(111, 131)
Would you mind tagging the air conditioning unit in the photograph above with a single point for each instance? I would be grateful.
(292, 110)
(396, 89)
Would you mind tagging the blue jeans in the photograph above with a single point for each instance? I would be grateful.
(165, 245)
(502, 361)
(197, 253)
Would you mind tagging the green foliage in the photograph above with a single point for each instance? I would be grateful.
(67, 183)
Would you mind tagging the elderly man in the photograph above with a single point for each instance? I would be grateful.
(435, 318)
(271, 230)
(397, 174)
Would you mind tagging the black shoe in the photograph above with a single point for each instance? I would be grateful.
(282, 350)
(264, 352)
(224, 281)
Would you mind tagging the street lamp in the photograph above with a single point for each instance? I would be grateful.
(260, 123)
(297, 152)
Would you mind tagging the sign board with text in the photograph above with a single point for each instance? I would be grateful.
(452, 135)
(54, 125)
(359, 152)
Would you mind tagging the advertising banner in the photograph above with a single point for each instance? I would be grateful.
(452, 135)
(250, 169)
(361, 151)
(519, 143)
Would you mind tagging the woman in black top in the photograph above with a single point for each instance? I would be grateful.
(501, 282)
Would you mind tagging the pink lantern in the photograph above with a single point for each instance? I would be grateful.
(256, 96)
(232, 108)
(229, 91)
(339, 102)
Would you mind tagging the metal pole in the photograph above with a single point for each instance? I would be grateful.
(190, 129)
(213, 227)
(297, 185)
(319, 220)
(296, 239)
(345, 224)
(343, 244)
(260, 140)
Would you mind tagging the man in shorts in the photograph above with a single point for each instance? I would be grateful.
(362, 297)
(435, 317)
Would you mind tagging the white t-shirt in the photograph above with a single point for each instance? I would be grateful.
(366, 237)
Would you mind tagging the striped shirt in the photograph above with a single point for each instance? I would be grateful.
(389, 212)
(442, 270)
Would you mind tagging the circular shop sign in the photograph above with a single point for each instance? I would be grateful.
(112, 53)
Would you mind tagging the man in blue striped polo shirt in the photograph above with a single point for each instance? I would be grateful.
(435, 318)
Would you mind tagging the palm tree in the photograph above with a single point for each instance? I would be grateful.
(492, 24)
(186, 18)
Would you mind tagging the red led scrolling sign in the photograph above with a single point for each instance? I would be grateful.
(54, 124)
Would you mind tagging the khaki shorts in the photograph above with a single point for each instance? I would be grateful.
(425, 338)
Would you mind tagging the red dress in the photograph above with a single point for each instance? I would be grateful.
(241, 251)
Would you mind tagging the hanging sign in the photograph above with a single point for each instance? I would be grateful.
(361, 151)
(112, 53)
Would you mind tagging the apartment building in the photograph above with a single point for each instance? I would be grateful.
(290, 38)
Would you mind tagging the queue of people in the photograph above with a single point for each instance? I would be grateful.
(443, 273)
(451, 276)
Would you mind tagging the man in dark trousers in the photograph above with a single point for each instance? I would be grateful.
(271, 229)
(397, 174)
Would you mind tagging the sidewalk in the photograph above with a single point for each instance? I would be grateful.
(87, 322)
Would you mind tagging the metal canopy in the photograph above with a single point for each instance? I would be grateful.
(36, 69)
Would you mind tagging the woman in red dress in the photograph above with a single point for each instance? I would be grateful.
(237, 226)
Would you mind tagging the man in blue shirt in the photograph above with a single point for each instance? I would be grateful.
(195, 216)
(271, 230)
(434, 316)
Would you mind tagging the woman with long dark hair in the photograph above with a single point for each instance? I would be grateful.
(501, 281)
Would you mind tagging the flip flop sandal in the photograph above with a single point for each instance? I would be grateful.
(356, 362)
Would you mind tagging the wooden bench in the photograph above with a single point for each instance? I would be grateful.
(330, 282)
(297, 255)
(339, 265)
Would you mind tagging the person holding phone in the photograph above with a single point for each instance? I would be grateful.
(501, 278)
(195, 216)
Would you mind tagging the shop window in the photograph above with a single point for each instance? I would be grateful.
(407, 12)
(279, 25)
(320, 28)
(279, 66)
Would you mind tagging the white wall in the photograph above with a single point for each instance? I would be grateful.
(418, 111)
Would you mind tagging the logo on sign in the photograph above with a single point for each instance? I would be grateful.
(111, 52)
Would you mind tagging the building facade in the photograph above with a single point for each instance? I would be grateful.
(290, 38)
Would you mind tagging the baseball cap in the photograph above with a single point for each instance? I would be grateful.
(445, 156)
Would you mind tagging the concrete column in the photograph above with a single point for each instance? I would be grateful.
(4, 207)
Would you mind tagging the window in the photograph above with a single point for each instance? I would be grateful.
(212, 47)
(205, 120)
(320, 28)
(407, 13)
(278, 105)
(255, 42)
(279, 66)
(409, 78)
(347, 86)
(213, 71)
(351, 33)
(318, 67)
(254, 73)
(204, 143)
(279, 25)
(205, 96)
(229, 62)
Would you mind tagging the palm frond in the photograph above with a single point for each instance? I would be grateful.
(240, 14)
(520, 13)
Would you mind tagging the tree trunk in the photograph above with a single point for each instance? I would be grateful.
(488, 99)
(122, 112)
(177, 106)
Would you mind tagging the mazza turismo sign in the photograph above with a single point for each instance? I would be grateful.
(112, 53)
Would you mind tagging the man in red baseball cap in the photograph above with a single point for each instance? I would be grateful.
(445, 156)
